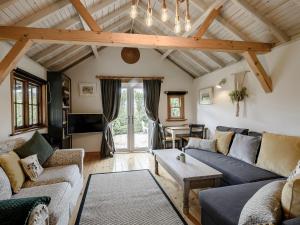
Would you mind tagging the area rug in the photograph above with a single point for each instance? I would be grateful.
(127, 198)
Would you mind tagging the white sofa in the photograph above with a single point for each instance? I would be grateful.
(62, 180)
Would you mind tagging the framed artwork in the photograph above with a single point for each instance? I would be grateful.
(206, 96)
(87, 89)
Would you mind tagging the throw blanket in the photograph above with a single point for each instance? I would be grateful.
(17, 211)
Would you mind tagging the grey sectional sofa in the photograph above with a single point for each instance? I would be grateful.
(223, 205)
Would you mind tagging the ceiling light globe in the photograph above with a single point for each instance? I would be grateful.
(164, 14)
(133, 11)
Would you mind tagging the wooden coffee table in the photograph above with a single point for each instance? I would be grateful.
(192, 174)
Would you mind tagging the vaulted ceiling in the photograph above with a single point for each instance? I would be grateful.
(275, 21)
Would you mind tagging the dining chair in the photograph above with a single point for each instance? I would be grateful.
(167, 139)
(196, 130)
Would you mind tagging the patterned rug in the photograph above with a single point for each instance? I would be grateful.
(126, 198)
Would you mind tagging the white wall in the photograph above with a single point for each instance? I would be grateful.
(5, 93)
(110, 63)
(277, 112)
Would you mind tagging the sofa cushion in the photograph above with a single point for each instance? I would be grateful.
(223, 141)
(52, 175)
(245, 148)
(11, 166)
(264, 207)
(36, 145)
(11, 144)
(224, 205)
(234, 171)
(234, 130)
(60, 197)
(279, 153)
(290, 198)
(5, 188)
(204, 144)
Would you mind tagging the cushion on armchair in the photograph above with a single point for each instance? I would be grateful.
(36, 145)
(11, 166)
(5, 188)
(18, 211)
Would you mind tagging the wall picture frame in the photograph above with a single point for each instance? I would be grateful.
(206, 96)
(87, 89)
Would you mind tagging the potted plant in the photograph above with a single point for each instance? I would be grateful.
(237, 96)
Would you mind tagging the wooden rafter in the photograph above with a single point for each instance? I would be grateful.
(84, 13)
(13, 57)
(259, 71)
(207, 22)
(279, 34)
(79, 37)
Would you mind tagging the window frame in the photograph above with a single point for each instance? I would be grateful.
(182, 108)
(28, 80)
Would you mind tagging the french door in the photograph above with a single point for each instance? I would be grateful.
(131, 128)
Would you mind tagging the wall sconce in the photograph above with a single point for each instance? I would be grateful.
(221, 83)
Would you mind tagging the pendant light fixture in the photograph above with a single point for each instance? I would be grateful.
(164, 11)
(149, 19)
(177, 28)
(133, 9)
(188, 25)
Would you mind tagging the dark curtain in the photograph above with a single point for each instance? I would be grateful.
(111, 95)
(151, 98)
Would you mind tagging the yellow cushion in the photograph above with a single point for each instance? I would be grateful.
(223, 141)
(11, 166)
(279, 153)
(290, 198)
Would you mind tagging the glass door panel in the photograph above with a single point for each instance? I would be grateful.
(140, 121)
(120, 125)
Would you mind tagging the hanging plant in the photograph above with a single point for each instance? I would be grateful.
(238, 95)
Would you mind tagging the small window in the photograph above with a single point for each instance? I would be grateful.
(28, 104)
(176, 107)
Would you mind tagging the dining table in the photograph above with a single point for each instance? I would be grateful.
(177, 130)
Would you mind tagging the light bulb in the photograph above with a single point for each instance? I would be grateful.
(188, 25)
(164, 14)
(177, 28)
(133, 11)
(149, 19)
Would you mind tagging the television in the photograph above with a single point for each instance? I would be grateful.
(84, 123)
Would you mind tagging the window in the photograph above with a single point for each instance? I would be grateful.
(176, 107)
(28, 108)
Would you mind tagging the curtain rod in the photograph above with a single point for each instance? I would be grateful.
(128, 78)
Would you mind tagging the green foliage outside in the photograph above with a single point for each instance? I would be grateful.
(140, 118)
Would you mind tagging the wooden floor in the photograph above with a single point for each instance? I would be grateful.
(136, 161)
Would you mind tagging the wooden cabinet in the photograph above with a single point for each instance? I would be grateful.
(59, 106)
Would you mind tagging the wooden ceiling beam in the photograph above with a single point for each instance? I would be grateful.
(86, 27)
(79, 37)
(13, 56)
(207, 22)
(279, 34)
(84, 13)
(259, 71)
